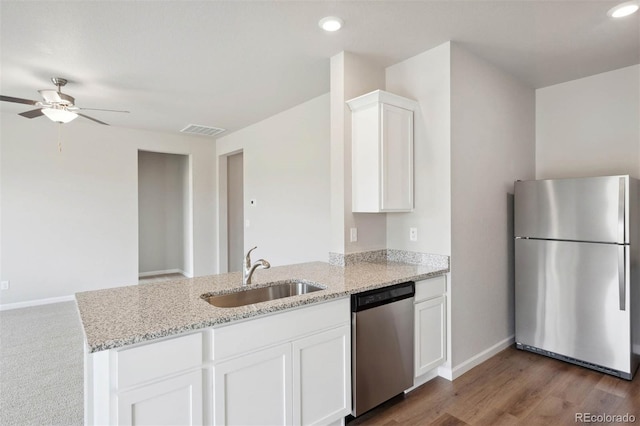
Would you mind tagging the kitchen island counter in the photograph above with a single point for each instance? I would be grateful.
(117, 317)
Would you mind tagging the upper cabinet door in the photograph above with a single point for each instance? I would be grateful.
(382, 153)
(397, 158)
(591, 209)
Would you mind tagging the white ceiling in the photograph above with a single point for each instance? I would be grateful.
(232, 63)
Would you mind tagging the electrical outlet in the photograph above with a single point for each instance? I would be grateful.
(413, 234)
(354, 235)
(4, 285)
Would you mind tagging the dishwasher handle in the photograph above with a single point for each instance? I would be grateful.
(382, 296)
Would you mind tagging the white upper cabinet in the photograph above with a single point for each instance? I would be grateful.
(382, 152)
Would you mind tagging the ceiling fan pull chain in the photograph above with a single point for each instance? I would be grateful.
(59, 137)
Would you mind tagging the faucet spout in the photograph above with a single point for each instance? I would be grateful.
(248, 269)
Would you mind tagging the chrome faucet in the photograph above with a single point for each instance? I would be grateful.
(248, 269)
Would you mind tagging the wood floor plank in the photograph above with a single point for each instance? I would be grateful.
(599, 401)
(494, 417)
(512, 388)
(536, 385)
(525, 386)
(492, 385)
(614, 385)
(551, 411)
(630, 404)
(425, 404)
(448, 420)
(575, 387)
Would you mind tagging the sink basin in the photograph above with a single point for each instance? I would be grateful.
(276, 290)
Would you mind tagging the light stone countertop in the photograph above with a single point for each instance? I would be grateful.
(117, 317)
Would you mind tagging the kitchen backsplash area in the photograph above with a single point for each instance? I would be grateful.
(389, 255)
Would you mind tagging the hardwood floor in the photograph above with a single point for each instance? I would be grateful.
(514, 388)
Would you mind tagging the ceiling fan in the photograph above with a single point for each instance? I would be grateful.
(57, 106)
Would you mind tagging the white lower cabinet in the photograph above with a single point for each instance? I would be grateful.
(175, 401)
(259, 380)
(288, 368)
(254, 389)
(430, 319)
(321, 377)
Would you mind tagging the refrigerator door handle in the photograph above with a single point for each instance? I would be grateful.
(622, 255)
(621, 211)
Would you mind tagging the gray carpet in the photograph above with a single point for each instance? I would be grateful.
(41, 366)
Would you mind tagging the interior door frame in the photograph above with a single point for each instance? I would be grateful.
(223, 202)
(188, 248)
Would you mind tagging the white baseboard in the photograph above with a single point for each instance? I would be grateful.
(38, 302)
(457, 371)
(163, 272)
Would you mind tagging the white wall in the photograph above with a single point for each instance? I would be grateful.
(351, 76)
(474, 135)
(492, 145)
(426, 78)
(286, 170)
(590, 126)
(70, 218)
(163, 180)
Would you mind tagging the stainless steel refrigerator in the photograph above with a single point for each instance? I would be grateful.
(577, 294)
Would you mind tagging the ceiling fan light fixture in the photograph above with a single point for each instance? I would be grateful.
(331, 23)
(59, 115)
(624, 9)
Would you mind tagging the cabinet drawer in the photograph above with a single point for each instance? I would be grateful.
(157, 359)
(241, 338)
(428, 289)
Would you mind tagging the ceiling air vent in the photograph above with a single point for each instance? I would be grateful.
(196, 129)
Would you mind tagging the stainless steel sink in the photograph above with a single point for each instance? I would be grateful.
(273, 291)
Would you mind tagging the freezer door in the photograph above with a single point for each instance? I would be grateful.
(568, 300)
(586, 209)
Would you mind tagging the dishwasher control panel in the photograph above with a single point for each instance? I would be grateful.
(380, 296)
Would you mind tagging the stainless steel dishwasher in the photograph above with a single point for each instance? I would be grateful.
(382, 345)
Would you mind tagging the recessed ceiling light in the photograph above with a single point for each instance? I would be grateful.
(331, 23)
(623, 9)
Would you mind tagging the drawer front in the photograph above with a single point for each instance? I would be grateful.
(157, 359)
(241, 338)
(428, 289)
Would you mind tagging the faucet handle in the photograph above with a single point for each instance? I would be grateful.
(263, 263)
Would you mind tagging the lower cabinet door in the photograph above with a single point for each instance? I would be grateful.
(430, 335)
(322, 377)
(254, 389)
(176, 401)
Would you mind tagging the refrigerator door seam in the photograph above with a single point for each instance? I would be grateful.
(574, 241)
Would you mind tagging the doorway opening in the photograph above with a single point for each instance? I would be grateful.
(231, 213)
(165, 237)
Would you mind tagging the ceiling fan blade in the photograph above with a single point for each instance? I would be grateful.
(32, 114)
(92, 119)
(17, 100)
(98, 109)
